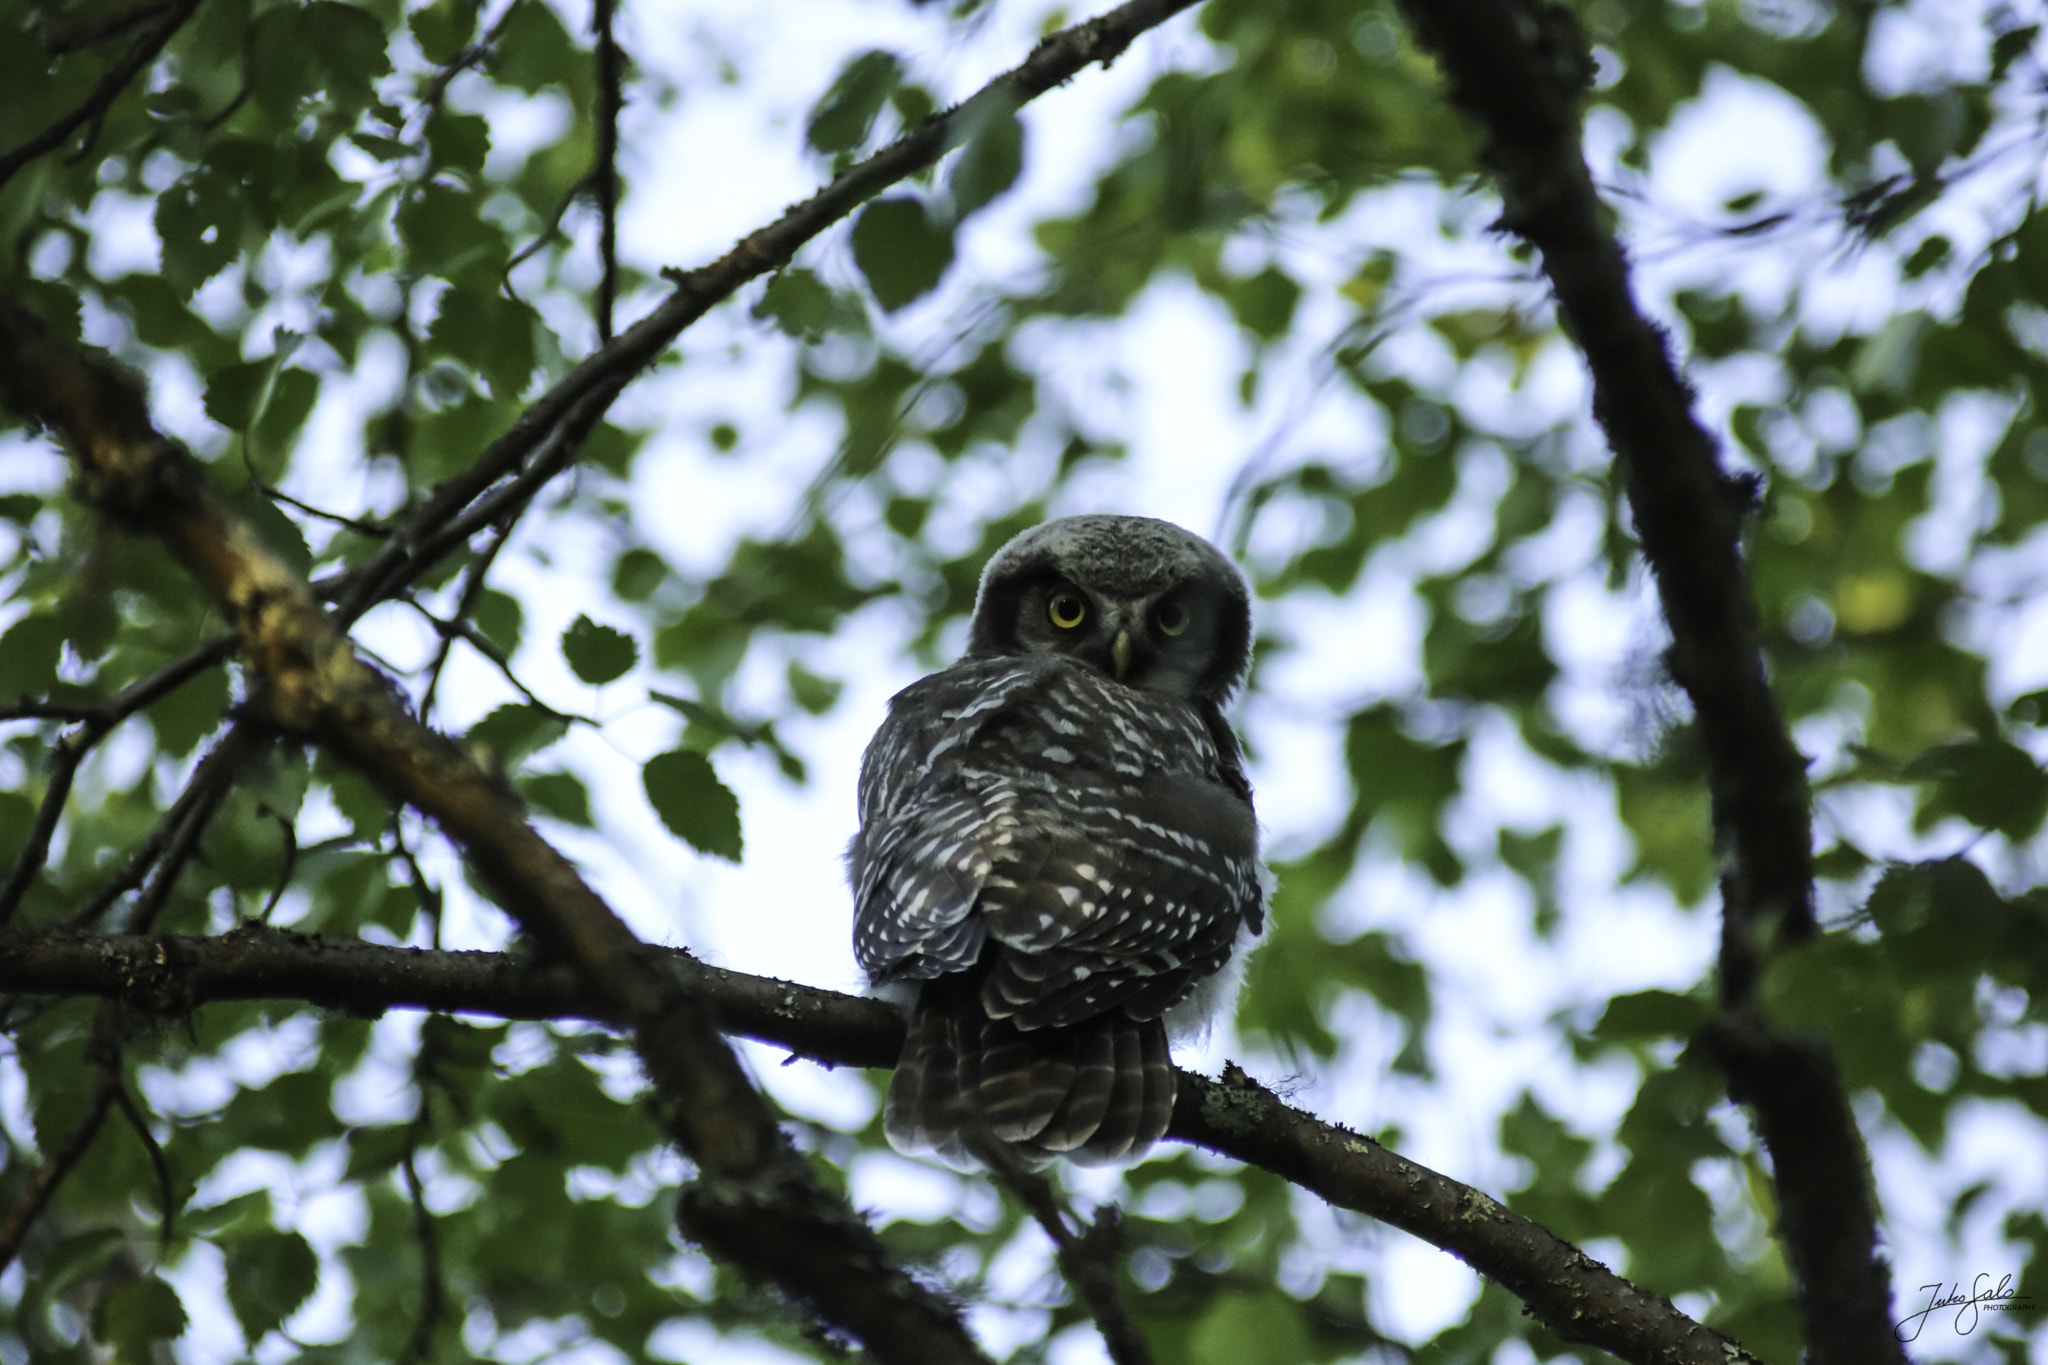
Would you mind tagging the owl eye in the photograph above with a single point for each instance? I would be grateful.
(1066, 610)
(1171, 618)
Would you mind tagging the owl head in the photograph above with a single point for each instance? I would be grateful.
(1143, 601)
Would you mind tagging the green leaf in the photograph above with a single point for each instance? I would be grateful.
(598, 654)
(500, 619)
(20, 508)
(1264, 304)
(515, 732)
(443, 28)
(800, 304)
(243, 1214)
(460, 141)
(811, 692)
(561, 796)
(693, 803)
(489, 332)
(376, 1150)
(990, 161)
(534, 51)
(1245, 1327)
(841, 120)
(29, 652)
(360, 803)
(1991, 783)
(901, 250)
(199, 226)
(290, 401)
(132, 1317)
(445, 233)
(270, 1275)
(1667, 815)
(1648, 1016)
(637, 574)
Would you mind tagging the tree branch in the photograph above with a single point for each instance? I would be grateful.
(604, 176)
(96, 720)
(60, 39)
(94, 107)
(601, 375)
(169, 974)
(1088, 1259)
(756, 1201)
(43, 1185)
(1518, 68)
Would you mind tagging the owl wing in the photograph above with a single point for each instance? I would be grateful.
(1098, 835)
(924, 849)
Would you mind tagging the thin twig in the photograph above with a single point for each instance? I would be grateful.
(62, 39)
(70, 752)
(467, 632)
(29, 708)
(433, 1287)
(135, 697)
(362, 528)
(1087, 1259)
(473, 579)
(212, 780)
(166, 1184)
(386, 573)
(287, 867)
(600, 377)
(429, 894)
(431, 97)
(94, 107)
(547, 234)
(605, 174)
(43, 1184)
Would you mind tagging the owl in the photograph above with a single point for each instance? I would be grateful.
(1058, 863)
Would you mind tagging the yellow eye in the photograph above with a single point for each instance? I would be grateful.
(1171, 618)
(1066, 610)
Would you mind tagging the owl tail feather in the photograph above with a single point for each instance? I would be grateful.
(1098, 1092)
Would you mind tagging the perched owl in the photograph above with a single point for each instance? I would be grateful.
(1057, 859)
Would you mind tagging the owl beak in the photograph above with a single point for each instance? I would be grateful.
(1120, 653)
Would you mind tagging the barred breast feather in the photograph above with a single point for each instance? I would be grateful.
(1053, 861)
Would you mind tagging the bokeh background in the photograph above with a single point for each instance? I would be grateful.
(1245, 279)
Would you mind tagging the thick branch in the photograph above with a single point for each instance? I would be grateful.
(1570, 1293)
(1517, 68)
(756, 1201)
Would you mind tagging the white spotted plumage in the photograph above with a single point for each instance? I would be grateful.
(1057, 842)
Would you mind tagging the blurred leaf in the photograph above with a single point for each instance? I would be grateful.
(900, 250)
(270, 1275)
(814, 694)
(693, 803)
(989, 162)
(131, 1318)
(515, 732)
(29, 651)
(1990, 783)
(561, 796)
(598, 654)
(1243, 1327)
(1264, 303)
(841, 120)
